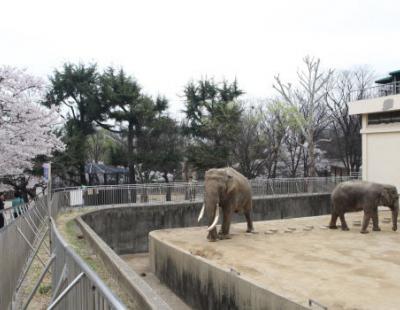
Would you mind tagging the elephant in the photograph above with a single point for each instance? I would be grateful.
(367, 196)
(229, 190)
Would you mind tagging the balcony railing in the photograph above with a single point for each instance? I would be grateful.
(376, 91)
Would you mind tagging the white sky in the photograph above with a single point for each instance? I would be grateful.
(166, 43)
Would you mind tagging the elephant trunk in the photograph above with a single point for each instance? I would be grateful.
(395, 213)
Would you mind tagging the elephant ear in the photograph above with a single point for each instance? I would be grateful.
(230, 183)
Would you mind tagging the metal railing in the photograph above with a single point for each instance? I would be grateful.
(12, 213)
(75, 285)
(375, 92)
(17, 239)
(180, 192)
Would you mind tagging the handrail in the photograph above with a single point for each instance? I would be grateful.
(89, 273)
(178, 184)
(377, 91)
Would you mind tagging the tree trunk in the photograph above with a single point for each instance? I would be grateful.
(131, 163)
(312, 172)
(168, 194)
(82, 173)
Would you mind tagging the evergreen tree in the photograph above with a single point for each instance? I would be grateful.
(213, 116)
(75, 89)
(132, 112)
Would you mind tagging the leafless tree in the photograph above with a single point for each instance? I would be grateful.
(275, 125)
(293, 151)
(345, 127)
(250, 146)
(263, 130)
(309, 100)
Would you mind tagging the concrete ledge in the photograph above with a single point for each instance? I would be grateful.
(375, 105)
(203, 285)
(145, 297)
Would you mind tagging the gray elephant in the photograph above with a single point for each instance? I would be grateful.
(367, 196)
(229, 190)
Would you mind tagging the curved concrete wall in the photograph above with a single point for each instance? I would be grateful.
(204, 285)
(125, 228)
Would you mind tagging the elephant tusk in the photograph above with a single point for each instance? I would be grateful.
(215, 219)
(201, 213)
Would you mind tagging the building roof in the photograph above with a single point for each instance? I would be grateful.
(397, 72)
(384, 80)
(394, 75)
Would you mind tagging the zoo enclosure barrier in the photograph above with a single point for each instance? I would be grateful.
(18, 238)
(182, 191)
(12, 213)
(75, 285)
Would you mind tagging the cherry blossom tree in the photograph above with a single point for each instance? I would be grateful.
(26, 127)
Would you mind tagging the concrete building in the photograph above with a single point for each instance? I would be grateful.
(379, 108)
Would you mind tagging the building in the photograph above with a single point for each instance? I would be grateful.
(379, 108)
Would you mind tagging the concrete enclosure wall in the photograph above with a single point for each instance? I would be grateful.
(203, 285)
(125, 229)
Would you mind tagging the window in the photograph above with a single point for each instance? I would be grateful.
(384, 118)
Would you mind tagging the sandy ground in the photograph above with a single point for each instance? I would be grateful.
(301, 259)
(140, 263)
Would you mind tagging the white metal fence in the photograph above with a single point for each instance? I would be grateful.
(17, 241)
(179, 192)
(75, 285)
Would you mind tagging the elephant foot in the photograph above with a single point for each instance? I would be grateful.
(376, 229)
(250, 230)
(224, 236)
(345, 228)
(212, 236)
(364, 231)
(332, 227)
(394, 228)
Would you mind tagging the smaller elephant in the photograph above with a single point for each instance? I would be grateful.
(229, 190)
(367, 196)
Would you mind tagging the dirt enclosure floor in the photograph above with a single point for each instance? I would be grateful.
(301, 259)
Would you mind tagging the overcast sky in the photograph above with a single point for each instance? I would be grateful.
(165, 43)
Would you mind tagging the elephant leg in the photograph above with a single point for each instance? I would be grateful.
(343, 222)
(212, 235)
(366, 219)
(250, 227)
(375, 221)
(332, 224)
(226, 223)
